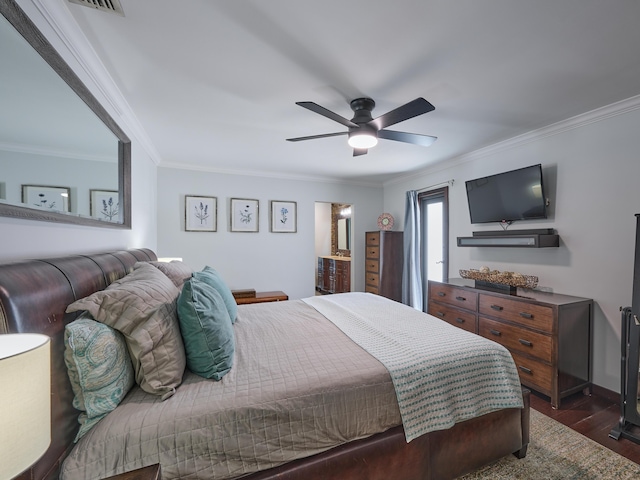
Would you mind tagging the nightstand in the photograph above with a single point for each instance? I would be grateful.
(263, 297)
(152, 472)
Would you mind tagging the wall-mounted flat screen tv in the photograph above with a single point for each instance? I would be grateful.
(507, 197)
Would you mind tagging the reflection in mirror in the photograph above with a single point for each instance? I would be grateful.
(62, 157)
(341, 229)
(344, 233)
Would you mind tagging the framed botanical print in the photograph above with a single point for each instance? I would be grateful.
(283, 216)
(200, 213)
(105, 205)
(55, 199)
(244, 215)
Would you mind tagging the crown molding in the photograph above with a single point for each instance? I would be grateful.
(275, 175)
(597, 115)
(60, 19)
(52, 152)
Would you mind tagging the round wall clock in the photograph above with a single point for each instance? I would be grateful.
(385, 221)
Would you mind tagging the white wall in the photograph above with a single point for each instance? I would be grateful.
(592, 175)
(21, 239)
(264, 260)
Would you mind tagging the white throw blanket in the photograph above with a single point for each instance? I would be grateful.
(442, 374)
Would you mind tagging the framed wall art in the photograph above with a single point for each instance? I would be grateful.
(244, 215)
(283, 216)
(200, 213)
(55, 199)
(105, 205)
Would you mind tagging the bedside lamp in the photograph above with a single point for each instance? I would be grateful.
(25, 403)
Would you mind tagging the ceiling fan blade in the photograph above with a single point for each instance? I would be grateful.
(359, 151)
(312, 137)
(414, 138)
(402, 113)
(314, 107)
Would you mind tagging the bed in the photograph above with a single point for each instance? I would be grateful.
(369, 443)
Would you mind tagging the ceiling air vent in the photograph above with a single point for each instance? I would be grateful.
(111, 6)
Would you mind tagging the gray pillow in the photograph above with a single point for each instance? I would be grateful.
(99, 369)
(176, 270)
(142, 306)
(206, 330)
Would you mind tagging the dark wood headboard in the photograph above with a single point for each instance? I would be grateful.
(34, 295)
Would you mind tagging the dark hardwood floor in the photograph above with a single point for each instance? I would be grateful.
(593, 416)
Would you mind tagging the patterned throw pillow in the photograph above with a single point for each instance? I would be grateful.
(213, 278)
(99, 368)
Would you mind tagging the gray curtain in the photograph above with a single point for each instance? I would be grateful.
(412, 275)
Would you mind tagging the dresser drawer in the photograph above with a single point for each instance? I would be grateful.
(371, 278)
(516, 338)
(458, 297)
(371, 289)
(521, 312)
(534, 373)
(373, 238)
(459, 318)
(371, 265)
(373, 252)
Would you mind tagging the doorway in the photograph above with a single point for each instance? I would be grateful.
(434, 224)
(333, 244)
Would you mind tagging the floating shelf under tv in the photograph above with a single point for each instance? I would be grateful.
(539, 238)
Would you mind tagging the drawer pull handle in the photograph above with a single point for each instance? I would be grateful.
(525, 369)
(497, 333)
(460, 320)
(497, 307)
(440, 314)
(441, 294)
(461, 299)
(526, 315)
(526, 343)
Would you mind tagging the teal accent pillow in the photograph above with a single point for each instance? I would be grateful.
(206, 329)
(99, 369)
(213, 278)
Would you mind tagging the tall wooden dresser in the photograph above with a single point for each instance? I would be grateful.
(548, 334)
(383, 264)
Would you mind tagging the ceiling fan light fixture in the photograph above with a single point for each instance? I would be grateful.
(362, 140)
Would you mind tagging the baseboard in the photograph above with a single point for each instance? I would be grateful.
(605, 393)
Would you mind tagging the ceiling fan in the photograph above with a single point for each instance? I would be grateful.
(364, 130)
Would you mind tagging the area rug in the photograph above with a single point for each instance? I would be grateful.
(556, 452)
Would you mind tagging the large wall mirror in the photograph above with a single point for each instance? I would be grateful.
(62, 157)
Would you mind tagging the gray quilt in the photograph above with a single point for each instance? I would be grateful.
(298, 386)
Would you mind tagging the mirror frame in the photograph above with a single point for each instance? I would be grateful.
(23, 24)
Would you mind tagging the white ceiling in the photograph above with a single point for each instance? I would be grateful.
(214, 83)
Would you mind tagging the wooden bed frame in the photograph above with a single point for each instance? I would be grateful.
(35, 293)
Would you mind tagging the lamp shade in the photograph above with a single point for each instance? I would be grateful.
(25, 403)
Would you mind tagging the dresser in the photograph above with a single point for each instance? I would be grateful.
(334, 274)
(548, 334)
(383, 264)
